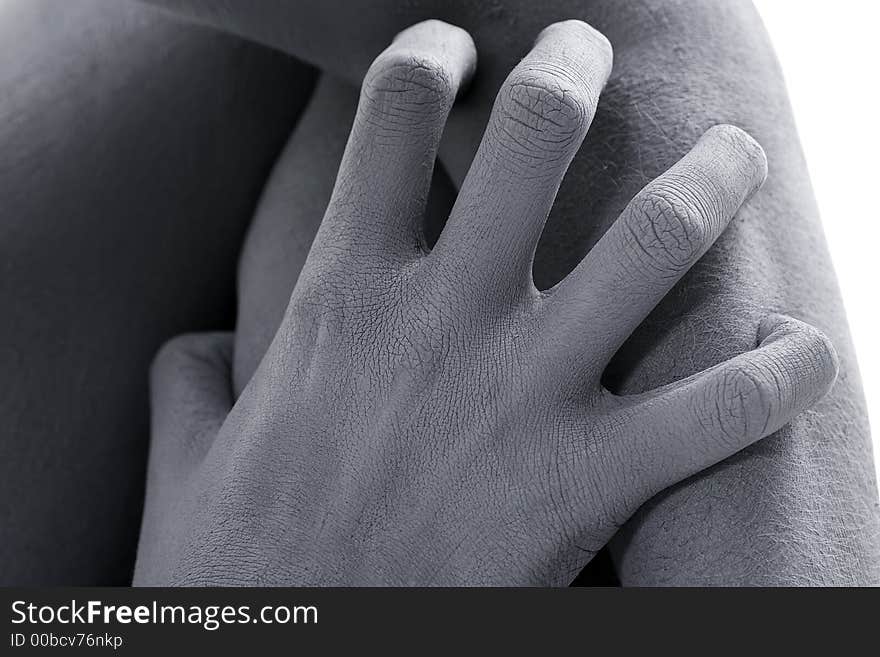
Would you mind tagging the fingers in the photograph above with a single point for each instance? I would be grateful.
(664, 230)
(382, 186)
(702, 420)
(538, 122)
(191, 395)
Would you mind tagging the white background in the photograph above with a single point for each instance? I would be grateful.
(830, 54)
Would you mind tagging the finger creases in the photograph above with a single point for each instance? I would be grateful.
(707, 417)
(538, 122)
(662, 233)
(382, 187)
(421, 72)
(546, 105)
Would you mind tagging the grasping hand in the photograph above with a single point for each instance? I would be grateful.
(431, 418)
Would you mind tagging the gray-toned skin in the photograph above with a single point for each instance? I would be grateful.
(431, 417)
(799, 508)
(132, 152)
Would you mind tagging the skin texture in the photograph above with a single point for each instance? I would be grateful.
(124, 196)
(431, 417)
(798, 509)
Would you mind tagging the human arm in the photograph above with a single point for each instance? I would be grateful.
(431, 417)
(132, 152)
(798, 509)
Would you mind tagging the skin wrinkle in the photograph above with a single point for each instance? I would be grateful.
(784, 499)
(417, 427)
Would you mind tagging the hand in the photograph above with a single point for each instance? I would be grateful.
(431, 418)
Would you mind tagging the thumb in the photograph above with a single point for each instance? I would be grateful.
(191, 395)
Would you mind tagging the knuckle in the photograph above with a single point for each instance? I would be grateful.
(408, 85)
(669, 227)
(543, 108)
(748, 397)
